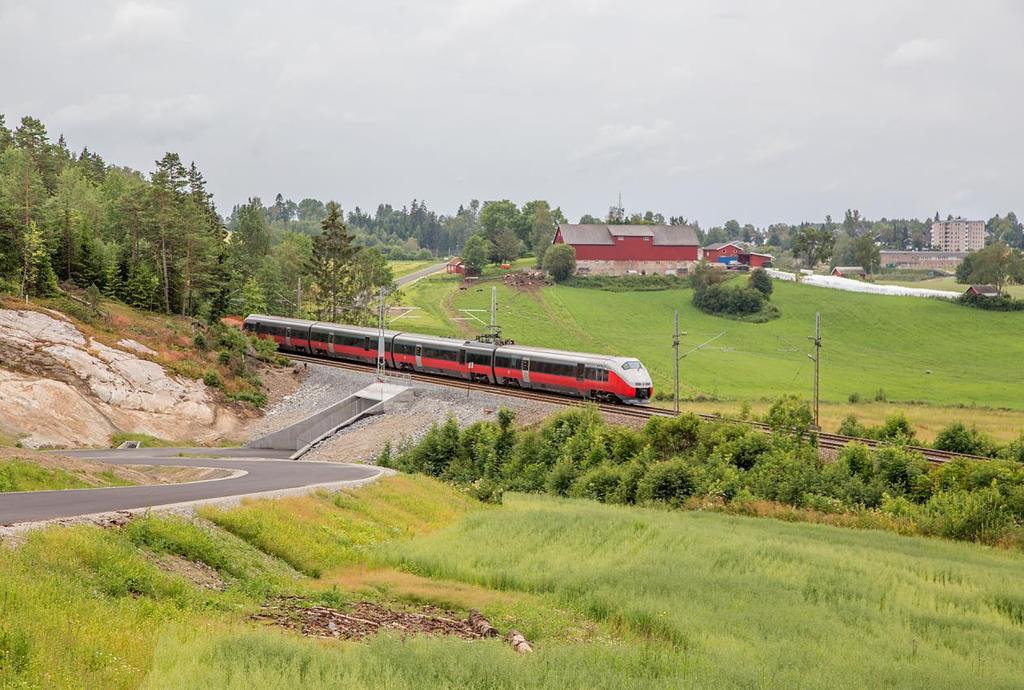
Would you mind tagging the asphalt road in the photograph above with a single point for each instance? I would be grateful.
(422, 273)
(266, 470)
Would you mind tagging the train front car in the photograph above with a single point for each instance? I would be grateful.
(637, 385)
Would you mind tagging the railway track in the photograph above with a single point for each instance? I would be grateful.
(825, 440)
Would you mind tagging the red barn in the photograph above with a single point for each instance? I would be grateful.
(630, 249)
(755, 260)
(455, 266)
(722, 252)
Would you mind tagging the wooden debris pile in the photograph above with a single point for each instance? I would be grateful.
(525, 279)
(366, 618)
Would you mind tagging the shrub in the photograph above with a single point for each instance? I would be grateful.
(896, 429)
(212, 379)
(254, 398)
(969, 515)
(853, 398)
(599, 483)
(629, 479)
(560, 478)
(785, 475)
(224, 357)
(1015, 450)
(790, 413)
(851, 426)
(957, 438)
(668, 482)
(903, 472)
(880, 395)
(760, 281)
(672, 435)
(199, 340)
(560, 262)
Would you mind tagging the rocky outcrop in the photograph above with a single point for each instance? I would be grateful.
(59, 387)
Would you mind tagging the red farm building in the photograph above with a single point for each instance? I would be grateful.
(849, 272)
(735, 254)
(455, 266)
(630, 249)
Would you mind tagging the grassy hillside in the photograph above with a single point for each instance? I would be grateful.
(753, 603)
(912, 349)
(611, 597)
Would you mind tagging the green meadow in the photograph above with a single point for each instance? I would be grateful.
(611, 597)
(897, 348)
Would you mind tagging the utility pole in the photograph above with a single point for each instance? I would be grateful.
(380, 340)
(494, 313)
(675, 346)
(817, 361)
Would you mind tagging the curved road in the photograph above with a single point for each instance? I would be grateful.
(422, 273)
(265, 470)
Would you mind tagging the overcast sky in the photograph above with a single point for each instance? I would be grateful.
(767, 110)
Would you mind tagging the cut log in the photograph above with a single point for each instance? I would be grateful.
(518, 642)
(481, 625)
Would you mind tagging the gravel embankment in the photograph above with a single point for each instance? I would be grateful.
(403, 422)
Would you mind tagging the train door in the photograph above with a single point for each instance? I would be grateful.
(366, 347)
(419, 356)
(330, 343)
(579, 370)
(462, 362)
(526, 369)
(288, 337)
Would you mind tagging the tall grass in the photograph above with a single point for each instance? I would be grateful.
(752, 603)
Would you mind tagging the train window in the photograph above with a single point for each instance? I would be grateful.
(366, 343)
(462, 356)
(632, 364)
(526, 364)
(579, 371)
(480, 358)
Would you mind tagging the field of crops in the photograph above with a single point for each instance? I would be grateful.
(900, 348)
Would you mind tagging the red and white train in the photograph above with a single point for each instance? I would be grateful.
(598, 377)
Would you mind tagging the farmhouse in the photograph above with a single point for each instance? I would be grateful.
(849, 272)
(983, 291)
(603, 249)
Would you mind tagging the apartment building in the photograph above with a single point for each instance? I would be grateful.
(958, 235)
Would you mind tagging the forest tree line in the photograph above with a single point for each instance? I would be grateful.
(157, 241)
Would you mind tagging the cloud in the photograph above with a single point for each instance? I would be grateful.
(920, 51)
(613, 141)
(139, 21)
(177, 113)
(772, 148)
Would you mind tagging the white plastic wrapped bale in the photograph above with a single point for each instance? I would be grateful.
(851, 285)
(780, 275)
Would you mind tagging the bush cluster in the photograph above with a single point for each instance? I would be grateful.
(712, 296)
(673, 460)
(1001, 303)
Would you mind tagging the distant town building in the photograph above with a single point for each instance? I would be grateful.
(958, 235)
(983, 291)
(921, 260)
(603, 249)
(849, 272)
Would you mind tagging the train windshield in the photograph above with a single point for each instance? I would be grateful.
(632, 364)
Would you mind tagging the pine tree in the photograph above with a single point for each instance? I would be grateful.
(332, 260)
